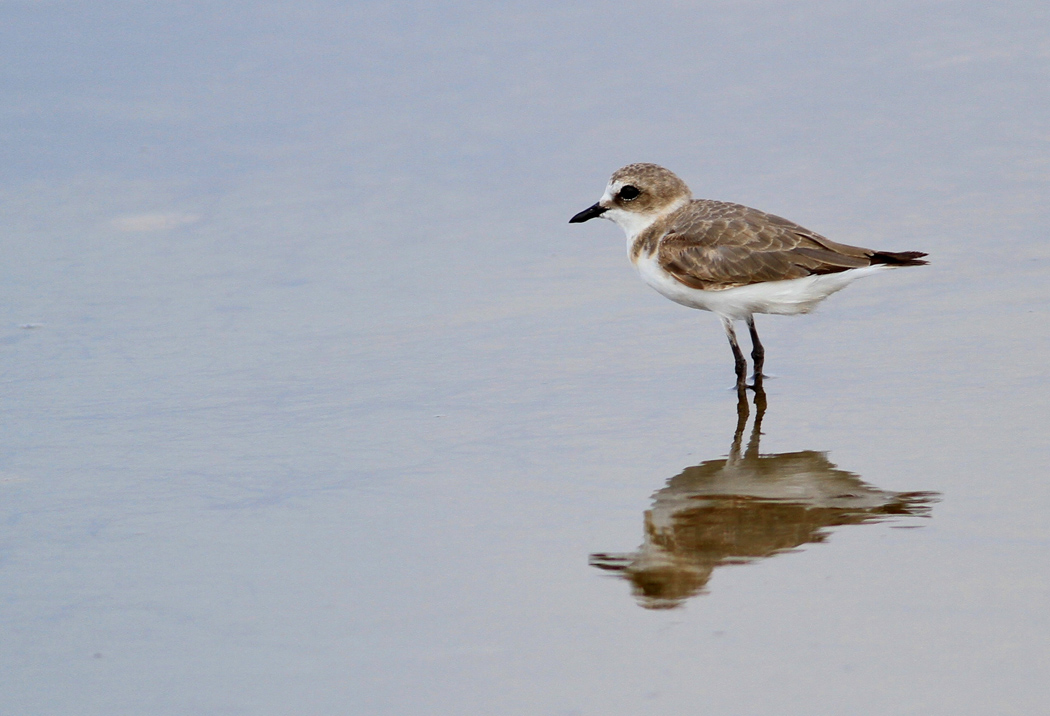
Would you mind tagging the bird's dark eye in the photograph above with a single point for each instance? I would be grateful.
(629, 193)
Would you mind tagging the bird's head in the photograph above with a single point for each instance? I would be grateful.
(638, 195)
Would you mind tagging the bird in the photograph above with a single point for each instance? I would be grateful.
(726, 258)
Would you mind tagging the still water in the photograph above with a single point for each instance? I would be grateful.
(744, 507)
(314, 403)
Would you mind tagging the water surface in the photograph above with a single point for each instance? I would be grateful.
(315, 403)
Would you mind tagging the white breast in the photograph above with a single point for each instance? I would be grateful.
(798, 295)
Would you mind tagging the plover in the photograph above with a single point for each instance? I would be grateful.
(726, 258)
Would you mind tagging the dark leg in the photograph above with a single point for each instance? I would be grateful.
(756, 429)
(758, 353)
(738, 356)
(742, 412)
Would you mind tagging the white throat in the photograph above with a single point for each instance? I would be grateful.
(634, 223)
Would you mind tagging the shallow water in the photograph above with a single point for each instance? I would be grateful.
(315, 403)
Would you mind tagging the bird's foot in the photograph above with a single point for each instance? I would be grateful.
(757, 380)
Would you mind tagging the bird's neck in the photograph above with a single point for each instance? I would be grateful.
(635, 224)
(644, 240)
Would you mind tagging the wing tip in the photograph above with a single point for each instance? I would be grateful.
(899, 258)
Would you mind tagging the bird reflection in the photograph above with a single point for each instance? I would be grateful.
(744, 508)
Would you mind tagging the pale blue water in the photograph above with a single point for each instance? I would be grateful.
(313, 401)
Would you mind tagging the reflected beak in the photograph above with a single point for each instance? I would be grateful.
(587, 214)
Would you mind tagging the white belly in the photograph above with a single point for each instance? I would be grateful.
(797, 295)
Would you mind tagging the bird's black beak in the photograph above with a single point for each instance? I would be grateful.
(587, 214)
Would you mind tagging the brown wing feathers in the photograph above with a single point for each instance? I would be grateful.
(899, 258)
(728, 245)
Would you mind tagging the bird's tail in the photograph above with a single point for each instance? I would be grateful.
(899, 258)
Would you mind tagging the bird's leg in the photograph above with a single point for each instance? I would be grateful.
(756, 430)
(742, 413)
(758, 353)
(738, 356)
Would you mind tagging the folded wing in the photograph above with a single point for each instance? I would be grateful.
(717, 245)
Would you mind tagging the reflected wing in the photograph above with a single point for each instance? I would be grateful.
(717, 245)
